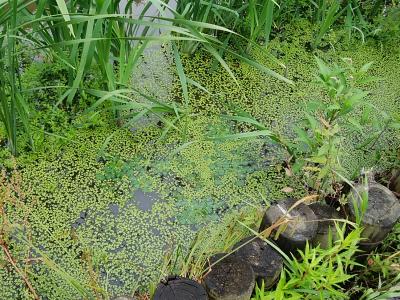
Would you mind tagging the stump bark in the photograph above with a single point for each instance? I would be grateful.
(381, 215)
(324, 212)
(394, 183)
(301, 226)
(265, 261)
(178, 288)
(230, 279)
(216, 257)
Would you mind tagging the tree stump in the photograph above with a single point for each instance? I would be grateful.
(324, 212)
(230, 279)
(265, 261)
(302, 225)
(381, 215)
(178, 288)
(216, 257)
(394, 183)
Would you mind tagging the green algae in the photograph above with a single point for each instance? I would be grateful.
(82, 189)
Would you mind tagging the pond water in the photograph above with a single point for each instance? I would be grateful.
(119, 209)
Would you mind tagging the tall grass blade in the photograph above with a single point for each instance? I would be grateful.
(64, 10)
(83, 61)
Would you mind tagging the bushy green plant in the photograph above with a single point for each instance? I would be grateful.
(318, 273)
(318, 138)
(388, 26)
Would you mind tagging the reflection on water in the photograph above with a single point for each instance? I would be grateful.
(138, 6)
(142, 7)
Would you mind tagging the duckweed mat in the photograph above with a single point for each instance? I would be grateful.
(104, 206)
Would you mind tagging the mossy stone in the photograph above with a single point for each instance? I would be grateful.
(300, 228)
(266, 262)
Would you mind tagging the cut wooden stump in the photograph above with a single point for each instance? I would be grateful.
(324, 213)
(381, 215)
(230, 279)
(178, 288)
(265, 261)
(300, 228)
(394, 183)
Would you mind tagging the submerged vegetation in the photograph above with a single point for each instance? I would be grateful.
(139, 139)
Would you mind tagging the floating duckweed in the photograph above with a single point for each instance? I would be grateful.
(82, 192)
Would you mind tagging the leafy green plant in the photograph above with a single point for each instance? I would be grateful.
(318, 139)
(260, 16)
(318, 273)
(355, 20)
(316, 146)
(388, 27)
(381, 277)
(253, 18)
(222, 13)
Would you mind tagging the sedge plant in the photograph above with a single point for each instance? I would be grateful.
(318, 273)
(80, 34)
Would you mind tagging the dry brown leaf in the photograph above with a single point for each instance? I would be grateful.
(287, 189)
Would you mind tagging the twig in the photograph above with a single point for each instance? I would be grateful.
(24, 278)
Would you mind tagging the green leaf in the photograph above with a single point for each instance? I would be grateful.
(252, 134)
(323, 68)
(355, 124)
(245, 119)
(84, 57)
(64, 10)
(181, 74)
(364, 69)
(318, 159)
